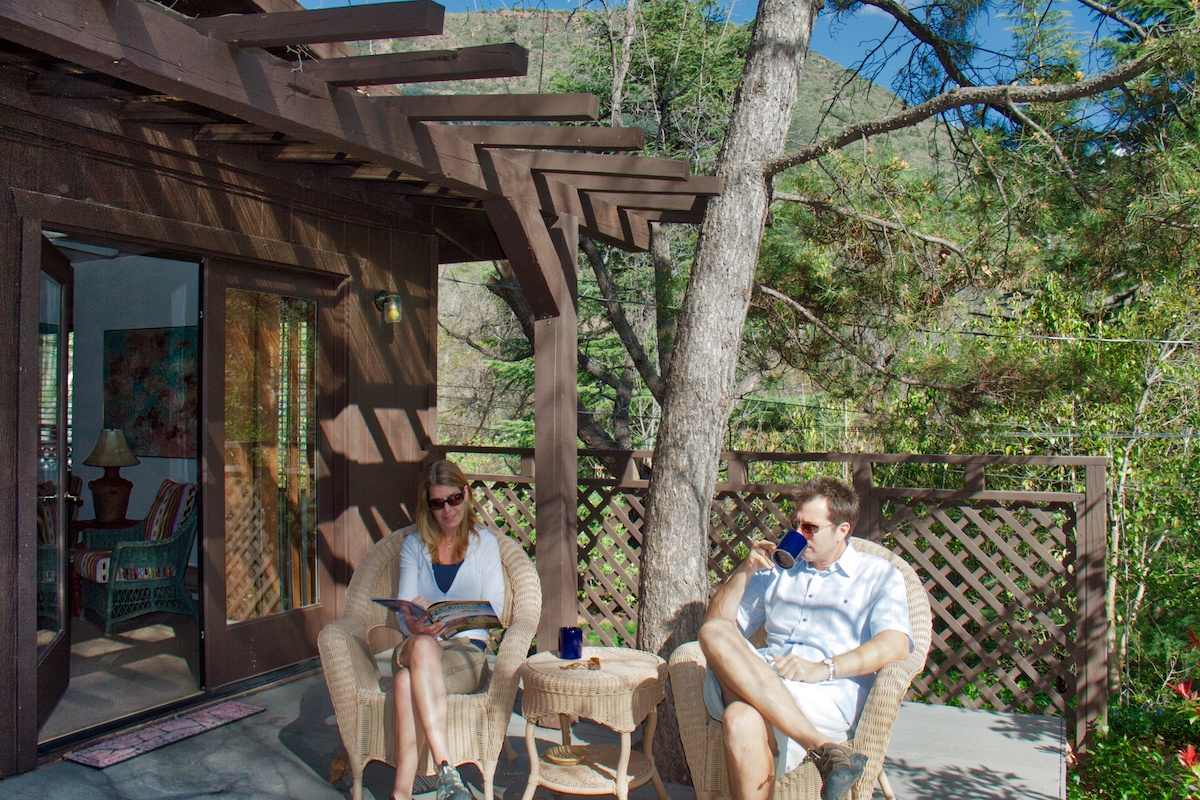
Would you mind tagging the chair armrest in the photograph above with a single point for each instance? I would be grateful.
(107, 539)
(349, 666)
(688, 668)
(874, 730)
(502, 685)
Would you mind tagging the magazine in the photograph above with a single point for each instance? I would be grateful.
(459, 615)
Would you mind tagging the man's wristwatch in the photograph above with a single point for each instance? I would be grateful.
(832, 669)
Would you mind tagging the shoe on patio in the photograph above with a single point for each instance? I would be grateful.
(450, 784)
(839, 769)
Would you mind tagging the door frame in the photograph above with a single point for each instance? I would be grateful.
(236, 651)
(56, 661)
(20, 235)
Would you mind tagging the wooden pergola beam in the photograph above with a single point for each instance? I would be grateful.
(704, 185)
(576, 107)
(530, 250)
(377, 172)
(241, 133)
(467, 63)
(601, 164)
(148, 45)
(551, 138)
(353, 23)
(661, 202)
(311, 153)
(657, 215)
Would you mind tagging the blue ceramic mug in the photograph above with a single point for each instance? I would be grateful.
(570, 643)
(789, 549)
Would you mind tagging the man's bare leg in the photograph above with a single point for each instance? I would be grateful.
(748, 756)
(744, 674)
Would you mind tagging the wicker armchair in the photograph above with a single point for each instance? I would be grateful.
(127, 573)
(476, 723)
(701, 734)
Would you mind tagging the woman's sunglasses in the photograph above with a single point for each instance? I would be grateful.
(453, 500)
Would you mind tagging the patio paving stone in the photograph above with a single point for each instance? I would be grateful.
(286, 752)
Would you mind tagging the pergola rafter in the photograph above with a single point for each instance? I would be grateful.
(216, 65)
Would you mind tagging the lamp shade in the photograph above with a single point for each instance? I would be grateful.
(111, 450)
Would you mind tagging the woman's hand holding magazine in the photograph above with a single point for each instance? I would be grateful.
(444, 618)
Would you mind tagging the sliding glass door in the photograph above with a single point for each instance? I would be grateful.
(264, 577)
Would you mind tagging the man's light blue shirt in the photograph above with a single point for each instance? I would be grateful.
(821, 614)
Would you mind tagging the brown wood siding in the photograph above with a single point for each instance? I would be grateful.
(75, 165)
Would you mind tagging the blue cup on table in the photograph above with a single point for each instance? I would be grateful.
(570, 643)
(789, 549)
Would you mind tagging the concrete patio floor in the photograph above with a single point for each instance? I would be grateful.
(286, 751)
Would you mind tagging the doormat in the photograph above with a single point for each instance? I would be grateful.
(127, 745)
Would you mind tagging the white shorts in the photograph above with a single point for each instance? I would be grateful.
(817, 706)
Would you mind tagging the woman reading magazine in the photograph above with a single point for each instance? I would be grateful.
(452, 558)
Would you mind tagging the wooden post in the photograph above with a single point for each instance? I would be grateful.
(555, 346)
(1091, 654)
(870, 516)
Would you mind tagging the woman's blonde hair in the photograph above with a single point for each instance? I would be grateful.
(444, 473)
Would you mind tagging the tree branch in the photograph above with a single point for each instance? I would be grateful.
(924, 34)
(959, 97)
(616, 317)
(514, 298)
(849, 348)
(1038, 130)
(1114, 14)
(879, 222)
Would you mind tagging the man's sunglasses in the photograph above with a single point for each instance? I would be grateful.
(810, 530)
(453, 500)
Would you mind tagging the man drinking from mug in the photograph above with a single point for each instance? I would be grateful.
(832, 621)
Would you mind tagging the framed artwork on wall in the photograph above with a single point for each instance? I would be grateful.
(151, 378)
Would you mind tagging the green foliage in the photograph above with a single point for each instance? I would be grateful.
(684, 69)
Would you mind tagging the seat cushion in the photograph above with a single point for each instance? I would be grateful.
(93, 564)
(170, 504)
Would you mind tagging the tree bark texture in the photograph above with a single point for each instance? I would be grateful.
(701, 375)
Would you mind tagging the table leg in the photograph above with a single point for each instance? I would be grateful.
(564, 723)
(534, 771)
(648, 751)
(622, 776)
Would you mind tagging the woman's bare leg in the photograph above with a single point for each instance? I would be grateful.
(422, 656)
(406, 736)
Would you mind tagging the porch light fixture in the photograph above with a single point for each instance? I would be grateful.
(389, 307)
(110, 494)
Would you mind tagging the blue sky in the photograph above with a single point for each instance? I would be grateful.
(841, 42)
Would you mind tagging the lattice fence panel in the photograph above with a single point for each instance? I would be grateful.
(251, 556)
(507, 508)
(999, 576)
(739, 519)
(610, 559)
(1003, 601)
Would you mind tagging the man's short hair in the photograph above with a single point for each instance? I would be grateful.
(839, 495)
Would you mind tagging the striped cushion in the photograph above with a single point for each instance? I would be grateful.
(170, 504)
(93, 565)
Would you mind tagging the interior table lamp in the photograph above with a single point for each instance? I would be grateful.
(110, 494)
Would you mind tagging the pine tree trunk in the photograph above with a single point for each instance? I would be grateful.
(700, 381)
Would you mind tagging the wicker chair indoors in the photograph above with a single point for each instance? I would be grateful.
(127, 573)
(701, 734)
(476, 723)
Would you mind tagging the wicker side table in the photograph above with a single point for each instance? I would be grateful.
(620, 695)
